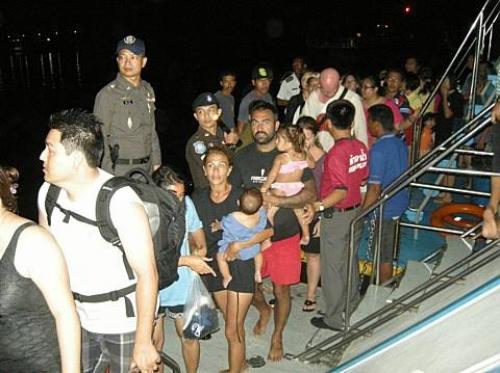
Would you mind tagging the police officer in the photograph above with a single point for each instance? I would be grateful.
(206, 111)
(126, 108)
(290, 85)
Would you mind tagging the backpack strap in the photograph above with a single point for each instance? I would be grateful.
(103, 216)
(51, 202)
(342, 95)
(112, 295)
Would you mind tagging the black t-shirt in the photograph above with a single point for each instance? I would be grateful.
(250, 168)
(209, 211)
(445, 126)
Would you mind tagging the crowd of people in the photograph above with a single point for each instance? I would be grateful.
(269, 181)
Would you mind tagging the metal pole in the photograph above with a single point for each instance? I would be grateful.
(436, 151)
(396, 246)
(473, 88)
(432, 228)
(471, 152)
(376, 259)
(463, 172)
(450, 189)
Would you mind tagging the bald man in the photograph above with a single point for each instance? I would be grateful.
(328, 91)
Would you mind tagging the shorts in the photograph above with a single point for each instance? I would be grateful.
(213, 284)
(174, 312)
(101, 351)
(282, 261)
(313, 247)
(290, 189)
(243, 276)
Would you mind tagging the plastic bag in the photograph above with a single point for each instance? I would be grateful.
(200, 315)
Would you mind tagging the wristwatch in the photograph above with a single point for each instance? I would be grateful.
(321, 207)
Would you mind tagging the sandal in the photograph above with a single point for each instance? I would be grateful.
(309, 306)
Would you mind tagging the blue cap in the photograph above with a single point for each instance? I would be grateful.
(133, 44)
(205, 99)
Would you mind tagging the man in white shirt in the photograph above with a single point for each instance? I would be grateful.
(116, 306)
(331, 90)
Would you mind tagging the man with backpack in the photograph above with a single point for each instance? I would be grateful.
(115, 285)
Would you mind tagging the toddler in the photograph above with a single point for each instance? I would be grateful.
(242, 225)
(285, 176)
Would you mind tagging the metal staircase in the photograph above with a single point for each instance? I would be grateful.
(330, 350)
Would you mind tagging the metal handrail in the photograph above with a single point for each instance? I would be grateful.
(444, 279)
(481, 23)
(437, 150)
(417, 168)
(396, 187)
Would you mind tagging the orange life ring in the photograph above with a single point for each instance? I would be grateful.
(448, 216)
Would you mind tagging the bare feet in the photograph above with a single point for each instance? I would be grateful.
(244, 369)
(258, 277)
(226, 281)
(490, 228)
(261, 325)
(276, 350)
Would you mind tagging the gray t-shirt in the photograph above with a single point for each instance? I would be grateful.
(247, 100)
(227, 105)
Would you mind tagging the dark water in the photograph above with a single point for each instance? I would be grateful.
(32, 86)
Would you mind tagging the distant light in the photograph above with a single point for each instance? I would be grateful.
(386, 26)
(24, 36)
(407, 9)
(8, 36)
(56, 33)
(358, 34)
(39, 34)
(48, 39)
(74, 31)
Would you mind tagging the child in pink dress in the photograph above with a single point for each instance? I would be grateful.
(284, 178)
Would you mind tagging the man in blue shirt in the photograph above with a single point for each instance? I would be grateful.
(388, 159)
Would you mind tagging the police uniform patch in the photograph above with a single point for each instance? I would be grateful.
(199, 147)
(130, 39)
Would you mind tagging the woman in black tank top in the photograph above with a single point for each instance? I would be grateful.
(33, 277)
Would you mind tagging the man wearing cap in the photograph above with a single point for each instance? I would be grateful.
(206, 111)
(126, 108)
(345, 170)
(261, 81)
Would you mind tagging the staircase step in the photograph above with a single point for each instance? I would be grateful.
(416, 274)
(456, 251)
(374, 299)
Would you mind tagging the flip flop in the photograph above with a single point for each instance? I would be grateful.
(309, 306)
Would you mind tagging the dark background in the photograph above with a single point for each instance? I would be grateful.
(58, 54)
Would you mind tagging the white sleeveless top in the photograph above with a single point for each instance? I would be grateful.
(95, 266)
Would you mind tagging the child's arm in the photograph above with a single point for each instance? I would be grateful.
(273, 173)
(234, 247)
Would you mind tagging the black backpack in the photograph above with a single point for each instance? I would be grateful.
(166, 214)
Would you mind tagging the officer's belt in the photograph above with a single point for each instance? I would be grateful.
(132, 161)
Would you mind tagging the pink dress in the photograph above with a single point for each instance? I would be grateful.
(290, 188)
